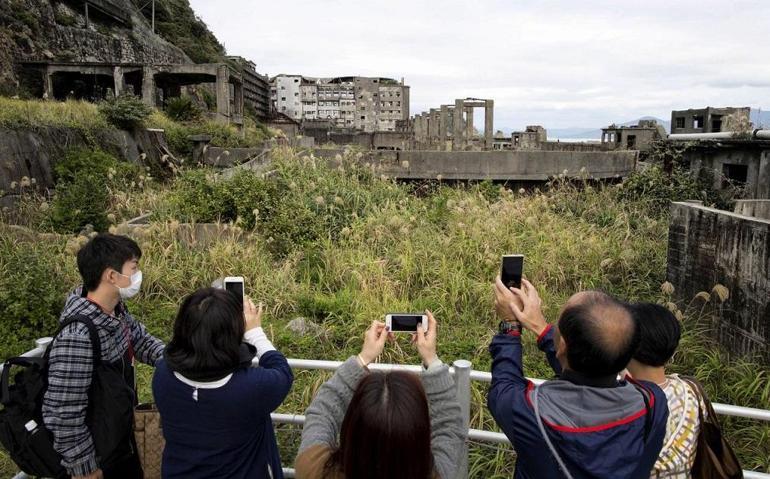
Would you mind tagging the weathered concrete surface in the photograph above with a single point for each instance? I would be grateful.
(708, 247)
(32, 153)
(723, 157)
(755, 208)
(496, 165)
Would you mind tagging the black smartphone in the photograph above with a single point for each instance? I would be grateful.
(513, 265)
(405, 322)
(234, 284)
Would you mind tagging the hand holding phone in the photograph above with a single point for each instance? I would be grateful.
(425, 340)
(374, 342)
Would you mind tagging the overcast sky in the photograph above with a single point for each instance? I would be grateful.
(559, 63)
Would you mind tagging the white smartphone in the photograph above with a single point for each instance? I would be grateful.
(405, 322)
(234, 284)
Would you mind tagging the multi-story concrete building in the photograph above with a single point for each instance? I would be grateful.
(285, 91)
(360, 103)
(256, 87)
(705, 120)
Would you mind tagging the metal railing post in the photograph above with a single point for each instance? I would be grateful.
(463, 384)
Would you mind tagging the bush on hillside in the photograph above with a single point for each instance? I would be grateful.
(125, 111)
(657, 189)
(32, 286)
(183, 108)
(80, 201)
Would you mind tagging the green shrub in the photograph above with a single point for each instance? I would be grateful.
(116, 174)
(33, 283)
(80, 201)
(183, 108)
(656, 189)
(125, 111)
(64, 19)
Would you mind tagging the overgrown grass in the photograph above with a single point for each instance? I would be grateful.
(31, 114)
(226, 136)
(382, 248)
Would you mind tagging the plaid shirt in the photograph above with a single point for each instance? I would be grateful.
(70, 369)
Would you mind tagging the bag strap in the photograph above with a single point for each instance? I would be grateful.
(703, 400)
(96, 345)
(535, 406)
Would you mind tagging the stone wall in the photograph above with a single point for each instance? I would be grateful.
(708, 247)
(496, 165)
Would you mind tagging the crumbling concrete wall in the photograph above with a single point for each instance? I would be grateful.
(707, 247)
(718, 158)
(755, 208)
(496, 165)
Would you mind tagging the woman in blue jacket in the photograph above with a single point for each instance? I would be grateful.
(214, 407)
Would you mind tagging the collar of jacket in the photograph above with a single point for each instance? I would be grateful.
(582, 380)
(78, 304)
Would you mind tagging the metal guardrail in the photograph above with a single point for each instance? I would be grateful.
(463, 375)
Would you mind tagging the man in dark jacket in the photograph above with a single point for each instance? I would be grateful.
(108, 265)
(590, 425)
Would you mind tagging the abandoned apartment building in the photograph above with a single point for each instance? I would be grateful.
(367, 104)
(706, 120)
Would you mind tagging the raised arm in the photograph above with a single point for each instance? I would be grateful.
(147, 348)
(446, 424)
(273, 377)
(323, 418)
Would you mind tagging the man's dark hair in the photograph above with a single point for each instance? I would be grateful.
(104, 251)
(601, 334)
(660, 331)
(207, 333)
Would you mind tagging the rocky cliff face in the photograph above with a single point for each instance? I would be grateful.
(55, 30)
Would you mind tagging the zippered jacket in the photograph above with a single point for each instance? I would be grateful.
(609, 431)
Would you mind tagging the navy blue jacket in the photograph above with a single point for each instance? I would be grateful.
(226, 432)
(599, 431)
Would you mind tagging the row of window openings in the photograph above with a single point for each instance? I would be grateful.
(698, 122)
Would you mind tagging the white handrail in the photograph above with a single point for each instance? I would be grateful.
(460, 367)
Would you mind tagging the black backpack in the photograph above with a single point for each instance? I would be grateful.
(22, 431)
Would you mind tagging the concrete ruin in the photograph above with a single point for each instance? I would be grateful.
(732, 161)
(531, 138)
(515, 166)
(256, 87)
(636, 137)
(168, 80)
(706, 120)
(707, 247)
(450, 127)
(155, 83)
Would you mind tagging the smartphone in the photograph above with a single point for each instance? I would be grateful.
(405, 322)
(234, 284)
(513, 265)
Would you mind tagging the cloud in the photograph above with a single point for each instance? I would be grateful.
(560, 63)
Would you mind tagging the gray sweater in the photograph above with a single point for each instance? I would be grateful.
(323, 418)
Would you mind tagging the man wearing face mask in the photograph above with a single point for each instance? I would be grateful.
(88, 406)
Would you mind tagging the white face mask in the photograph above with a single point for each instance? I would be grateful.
(131, 290)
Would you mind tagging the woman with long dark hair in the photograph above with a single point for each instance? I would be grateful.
(390, 425)
(214, 407)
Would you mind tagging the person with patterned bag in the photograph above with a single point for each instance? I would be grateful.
(692, 425)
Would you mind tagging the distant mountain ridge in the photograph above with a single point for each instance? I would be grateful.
(759, 118)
